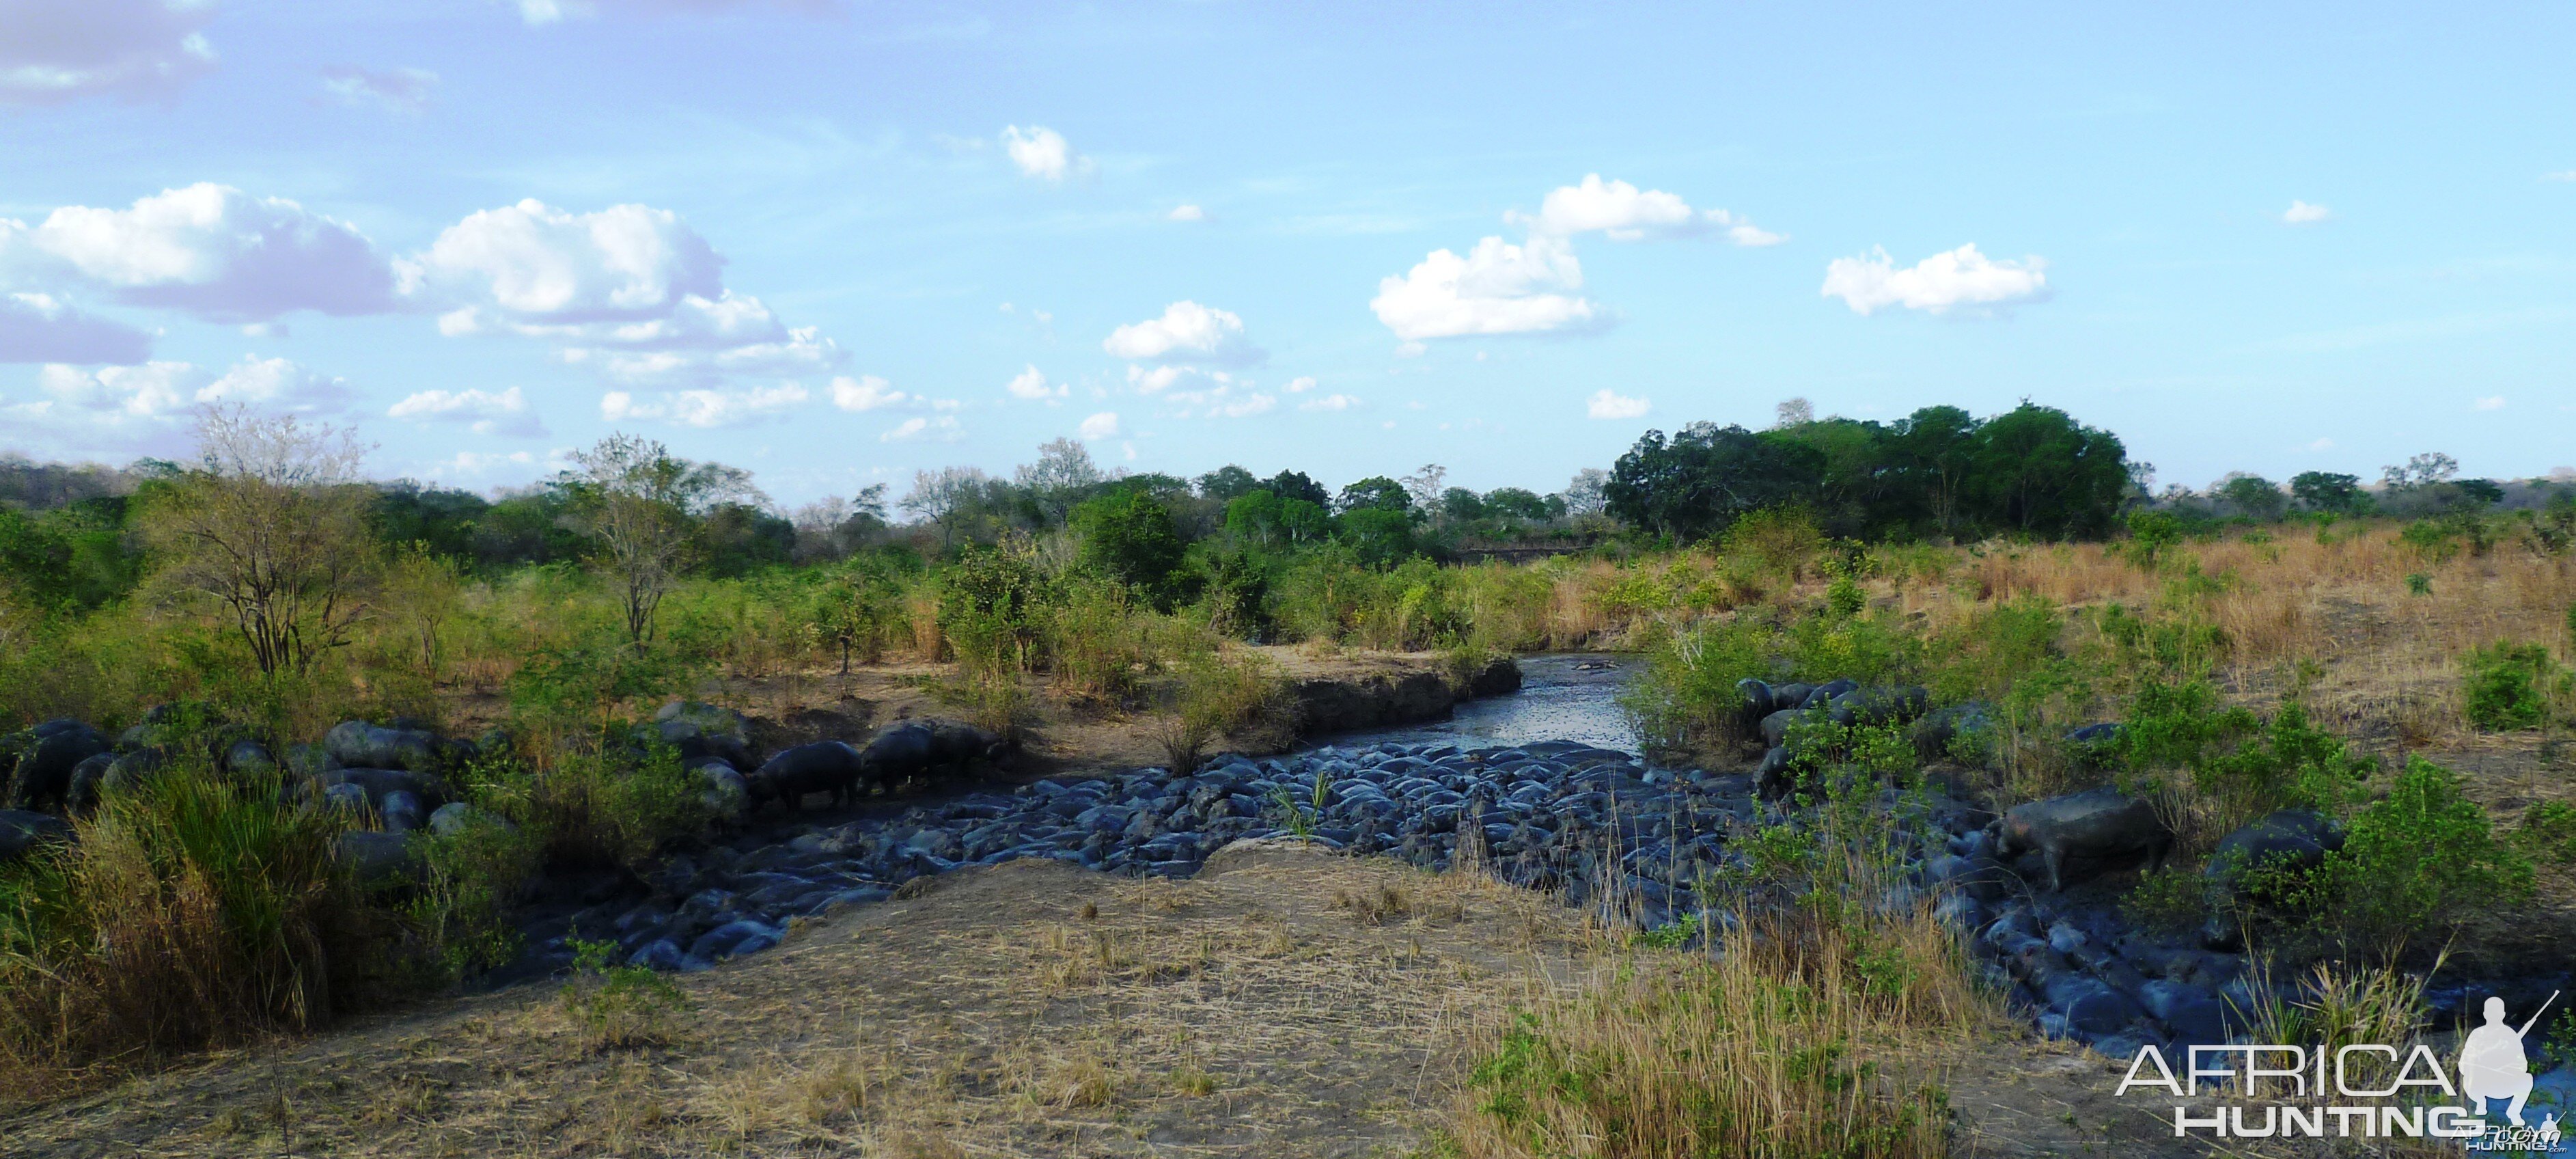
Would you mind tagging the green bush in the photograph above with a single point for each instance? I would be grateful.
(2507, 686)
(619, 1007)
(2549, 831)
(2171, 902)
(1129, 537)
(2422, 858)
(470, 879)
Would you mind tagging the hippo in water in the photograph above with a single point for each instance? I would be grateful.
(2097, 824)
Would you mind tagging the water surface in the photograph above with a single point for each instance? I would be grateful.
(1572, 697)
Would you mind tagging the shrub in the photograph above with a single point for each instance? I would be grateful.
(2507, 685)
(470, 879)
(2549, 830)
(613, 806)
(1095, 645)
(1226, 692)
(989, 606)
(2150, 534)
(1128, 536)
(2424, 857)
(2169, 901)
(619, 1007)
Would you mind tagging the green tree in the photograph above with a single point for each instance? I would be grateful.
(2253, 496)
(1379, 535)
(1376, 492)
(638, 504)
(2040, 472)
(1128, 536)
(2330, 492)
(1227, 483)
(1706, 477)
(1933, 452)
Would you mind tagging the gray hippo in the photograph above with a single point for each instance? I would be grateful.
(2289, 839)
(1824, 694)
(44, 757)
(705, 730)
(22, 832)
(2097, 824)
(829, 766)
(1877, 706)
(356, 744)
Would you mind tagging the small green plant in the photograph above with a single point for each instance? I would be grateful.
(2549, 831)
(1671, 935)
(2151, 533)
(2507, 686)
(2422, 858)
(2170, 901)
(1844, 598)
(619, 1007)
(2419, 584)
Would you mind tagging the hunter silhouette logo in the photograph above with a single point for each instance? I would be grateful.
(2493, 1067)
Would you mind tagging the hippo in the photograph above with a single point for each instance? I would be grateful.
(822, 767)
(2096, 824)
(954, 742)
(1877, 706)
(44, 758)
(1772, 777)
(901, 751)
(22, 832)
(81, 798)
(1775, 727)
(1824, 694)
(2291, 839)
(1757, 702)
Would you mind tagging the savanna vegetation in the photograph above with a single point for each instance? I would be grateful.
(2362, 651)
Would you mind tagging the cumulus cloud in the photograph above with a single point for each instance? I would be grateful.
(1100, 426)
(1301, 384)
(704, 408)
(2302, 213)
(940, 429)
(1607, 404)
(630, 290)
(1186, 213)
(210, 250)
(51, 51)
(1031, 383)
(397, 90)
(1330, 402)
(2491, 402)
(1187, 332)
(485, 413)
(866, 392)
(1498, 288)
(1622, 212)
(1938, 284)
(164, 390)
(151, 390)
(38, 328)
(1043, 153)
(277, 384)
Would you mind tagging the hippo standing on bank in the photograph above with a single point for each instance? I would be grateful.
(829, 766)
(2095, 825)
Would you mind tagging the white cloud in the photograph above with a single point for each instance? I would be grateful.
(1100, 426)
(277, 384)
(1157, 380)
(165, 390)
(1187, 332)
(942, 428)
(1042, 153)
(1622, 212)
(706, 407)
(1607, 405)
(52, 51)
(2302, 213)
(1498, 288)
(470, 463)
(1186, 213)
(149, 391)
(1032, 383)
(485, 413)
(210, 250)
(630, 290)
(1330, 402)
(396, 90)
(2561, 175)
(1301, 384)
(866, 392)
(2491, 402)
(1937, 284)
(2322, 445)
(38, 328)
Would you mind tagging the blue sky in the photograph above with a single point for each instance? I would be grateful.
(836, 242)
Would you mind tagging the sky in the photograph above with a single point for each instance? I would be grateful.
(838, 241)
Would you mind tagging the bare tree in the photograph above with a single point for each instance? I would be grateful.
(941, 496)
(271, 524)
(1583, 495)
(1796, 412)
(1424, 486)
(835, 528)
(639, 506)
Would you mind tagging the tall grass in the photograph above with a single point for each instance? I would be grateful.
(198, 911)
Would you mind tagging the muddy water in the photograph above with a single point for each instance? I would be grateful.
(1570, 698)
